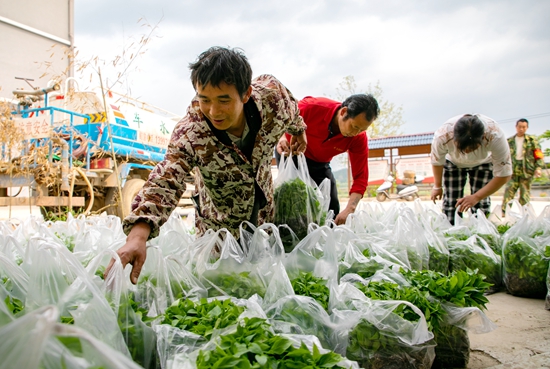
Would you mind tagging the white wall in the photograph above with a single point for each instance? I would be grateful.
(34, 38)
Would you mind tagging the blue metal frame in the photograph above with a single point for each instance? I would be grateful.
(124, 139)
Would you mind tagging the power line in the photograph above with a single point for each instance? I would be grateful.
(513, 120)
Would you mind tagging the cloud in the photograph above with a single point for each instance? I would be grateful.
(435, 59)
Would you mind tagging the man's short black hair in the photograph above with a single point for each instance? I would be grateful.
(220, 64)
(361, 103)
(468, 133)
(522, 120)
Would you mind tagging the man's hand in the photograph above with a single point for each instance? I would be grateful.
(437, 194)
(467, 202)
(134, 251)
(298, 144)
(538, 172)
(342, 216)
(283, 146)
(354, 199)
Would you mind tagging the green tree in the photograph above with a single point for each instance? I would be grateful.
(390, 120)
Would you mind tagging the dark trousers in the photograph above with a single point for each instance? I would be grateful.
(454, 180)
(318, 172)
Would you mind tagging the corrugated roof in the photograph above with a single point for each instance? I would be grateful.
(401, 141)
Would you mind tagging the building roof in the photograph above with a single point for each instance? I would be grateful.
(401, 141)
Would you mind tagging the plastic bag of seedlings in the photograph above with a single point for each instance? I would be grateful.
(366, 256)
(164, 279)
(480, 225)
(298, 199)
(13, 278)
(261, 243)
(431, 216)
(302, 315)
(524, 263)
(377, 334)
(37, 340)
(132, 318)
(189, 324)
(259, 346)
(453, 343)
(230, 273)
(56, 277)
(475, 254)
(408, 235)
(317, 253)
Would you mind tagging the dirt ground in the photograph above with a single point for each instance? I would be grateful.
(522, 339)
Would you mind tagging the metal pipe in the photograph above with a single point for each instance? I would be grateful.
(35, 31)
(44, 91)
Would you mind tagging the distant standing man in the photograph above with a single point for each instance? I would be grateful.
(334, 128)
(473, 147)
(527, 162)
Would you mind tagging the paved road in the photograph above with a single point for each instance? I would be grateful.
(538, 203)
(21, 212)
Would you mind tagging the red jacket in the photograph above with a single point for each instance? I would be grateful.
(318, 113)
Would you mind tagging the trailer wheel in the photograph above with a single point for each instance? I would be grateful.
(129, 192)
(381, 196)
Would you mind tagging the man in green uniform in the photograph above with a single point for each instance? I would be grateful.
(527, 163)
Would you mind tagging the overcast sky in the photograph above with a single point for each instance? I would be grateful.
(434, 58)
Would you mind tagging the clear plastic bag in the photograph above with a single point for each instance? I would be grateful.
(138, 336)
(36, 340)
(230, 274)
(302, 315)
(453, 343)
(298, 199)
(474, 253)
(376, 337)
(525, 266)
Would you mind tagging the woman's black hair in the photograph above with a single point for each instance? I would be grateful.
(468, 133)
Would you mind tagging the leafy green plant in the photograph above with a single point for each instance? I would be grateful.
(464, 256)
(439, 261)
(140, 338)
(304, 317)
(363, 269)
(67, 240)
(494, 242)
(296, 205)
(202, 317)
(306, 284)
(453, 347)
(253, 345)
(503, 228)
(385, 290)
(240, 285)
(375, 349)
(464, 288)
(525, 269)
(14, 305)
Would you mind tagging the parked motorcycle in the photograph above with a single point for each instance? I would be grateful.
(408, 192)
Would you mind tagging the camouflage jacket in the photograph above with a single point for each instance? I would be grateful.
(224, 177)
(532, 159)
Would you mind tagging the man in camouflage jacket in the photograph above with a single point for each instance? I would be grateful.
(527, 161)
(226, 140)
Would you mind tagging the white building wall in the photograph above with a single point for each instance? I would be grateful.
(36, 37)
